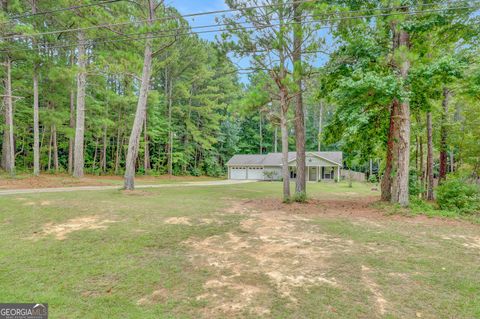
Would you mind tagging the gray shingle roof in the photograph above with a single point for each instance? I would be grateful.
(275, 159)
(246, 160)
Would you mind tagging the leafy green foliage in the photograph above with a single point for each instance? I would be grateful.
(415, 187)
(373, 179)
(459, 195)
(204, 86)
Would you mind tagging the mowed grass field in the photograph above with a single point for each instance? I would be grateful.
(234, 251)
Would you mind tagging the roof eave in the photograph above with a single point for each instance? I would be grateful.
(316, 155)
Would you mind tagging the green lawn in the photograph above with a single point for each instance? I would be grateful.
(234, 251)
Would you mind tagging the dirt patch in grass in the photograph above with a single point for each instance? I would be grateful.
(364, 209)
(380, 301)
(60, 231)
(279, 251)
(467, 241)
(178, 221)
(98, 286)
(41, 203)
(183, 220)
(48, 181)
(328, 207)
(157, 296)
(65, 180)
(283, 251)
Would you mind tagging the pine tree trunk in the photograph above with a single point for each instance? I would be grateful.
(118, 151)
(300, 182)
(429, 157)
(261, 134)
(452, 162)
(386, 185)
(5, 138)
(284, 131)
(370, 171)
(417, 145)
(400, 192)
(72, 124)
(133, 143)
(55, 148)
(42, 142)
(95, 154)
(421, 172)
(320, 127)
(170, 132)
(36, 131)
(275, 143)
(443, 136)
(49, 167)
(78, 161)
(146, 158)
(9, 143)
(103, 163)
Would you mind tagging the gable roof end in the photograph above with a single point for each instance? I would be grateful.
(332, 157)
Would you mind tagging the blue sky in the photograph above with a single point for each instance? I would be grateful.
(195, 6)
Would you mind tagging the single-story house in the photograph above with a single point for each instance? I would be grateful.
(320, 166)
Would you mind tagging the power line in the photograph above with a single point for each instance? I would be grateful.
(163, 35)
(190, 15)
(150, 36)
(63, 9)
(206, 13)
(171, 31)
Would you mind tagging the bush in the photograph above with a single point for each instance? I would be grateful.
(373, 179)
(300, 197)
(269, 175)
(212, 167)
(457, 194)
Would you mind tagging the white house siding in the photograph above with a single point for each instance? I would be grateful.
(269, 166)
(313, 161)
(238, 173)
(255, 173)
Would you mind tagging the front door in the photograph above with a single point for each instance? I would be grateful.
(327, 173)
(312, 174)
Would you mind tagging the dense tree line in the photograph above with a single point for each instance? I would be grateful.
(91, 90)
(71, 97)
(397, 89)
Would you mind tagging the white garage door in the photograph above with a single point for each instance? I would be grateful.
(255, 173)
(238, 173)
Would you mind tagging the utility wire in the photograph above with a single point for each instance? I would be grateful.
(172, 31)
(161, 34)
(63, 9)
(167, 18)
(190, 15)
